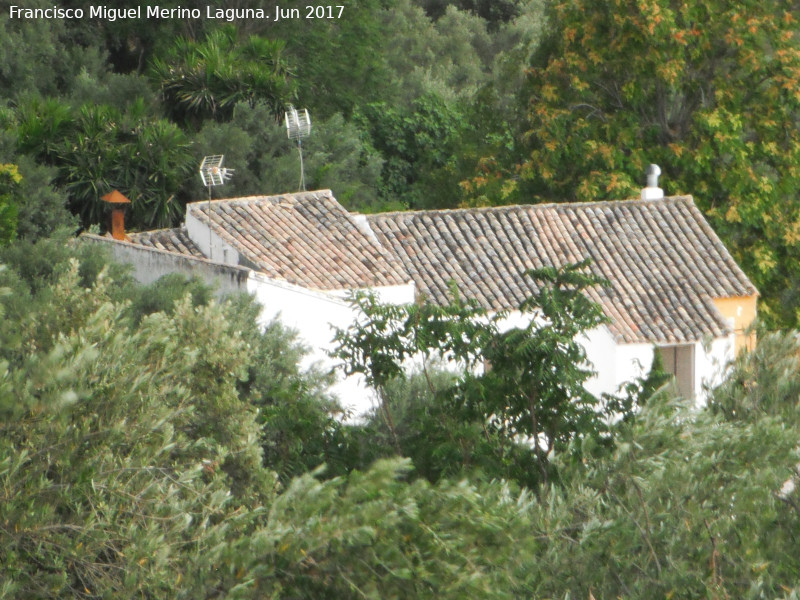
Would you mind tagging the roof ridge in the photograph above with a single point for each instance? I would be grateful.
(305, 238)
(254, 198)
(181, 227)
(573, 205)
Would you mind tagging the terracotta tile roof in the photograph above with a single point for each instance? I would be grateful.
(171, 240)
(663, 260)
(307, 239)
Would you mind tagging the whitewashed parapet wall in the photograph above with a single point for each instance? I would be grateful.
(151, 264)
(311, 314)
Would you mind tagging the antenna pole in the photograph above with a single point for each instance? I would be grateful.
(298, 126)
(302, 172)
(212, 173)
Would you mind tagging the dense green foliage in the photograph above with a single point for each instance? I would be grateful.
(96, 149)
(159, 445)
(132, 105)
(9, 210)
(207, 79)
(762, 383)
(131, 457)
(529, 387)
(420, 144)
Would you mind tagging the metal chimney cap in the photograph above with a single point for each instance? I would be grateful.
(115, 197)
(652, 191)
(653, 171)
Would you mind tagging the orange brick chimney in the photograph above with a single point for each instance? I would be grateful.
(118, 203)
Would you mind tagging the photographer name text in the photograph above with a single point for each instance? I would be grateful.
(110, 13)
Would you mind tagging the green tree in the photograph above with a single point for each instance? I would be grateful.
(339, 63)
(534, 387)
(494, 12)
(299, 426)
(266, 162)
(44, 56)
(9, 181)
(450, 58)
(42, 207)
(527, 401)
(763, 382)
(131, 466)
(206, 79)
(441, 438)
(418, 146)
(686, 505)
(498, 114)
(375, 535)
(116, 465)
(99, 148)
(705, 89)
(452, 101)
(131, 463)
(691, 503)
(30, 206)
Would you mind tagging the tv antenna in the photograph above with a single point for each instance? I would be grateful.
(298, 126)
(213, 174)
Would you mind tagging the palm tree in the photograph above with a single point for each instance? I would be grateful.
(207, 79)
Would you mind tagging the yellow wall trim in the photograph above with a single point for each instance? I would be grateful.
(742, 310)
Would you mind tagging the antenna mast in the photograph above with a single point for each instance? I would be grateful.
(298, 126)
(213, 174)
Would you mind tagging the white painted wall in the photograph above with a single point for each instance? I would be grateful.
(617, 364)
(711, 365)
(151, 264)
(614, 364)
(387, 294)
(632, 361)
(312, 315)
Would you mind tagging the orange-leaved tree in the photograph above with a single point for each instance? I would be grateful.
(708, 89)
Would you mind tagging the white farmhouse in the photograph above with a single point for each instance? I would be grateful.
(673, 285)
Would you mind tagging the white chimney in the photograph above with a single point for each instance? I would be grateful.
(652, 191)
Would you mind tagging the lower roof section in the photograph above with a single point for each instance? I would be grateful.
(664, 263)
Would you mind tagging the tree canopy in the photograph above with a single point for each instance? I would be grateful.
(705, 89)
(142, 455)
(208, 78)
(521, 394)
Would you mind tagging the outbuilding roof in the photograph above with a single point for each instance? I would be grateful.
(171, 240)
(664, 262)
(306, 238)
